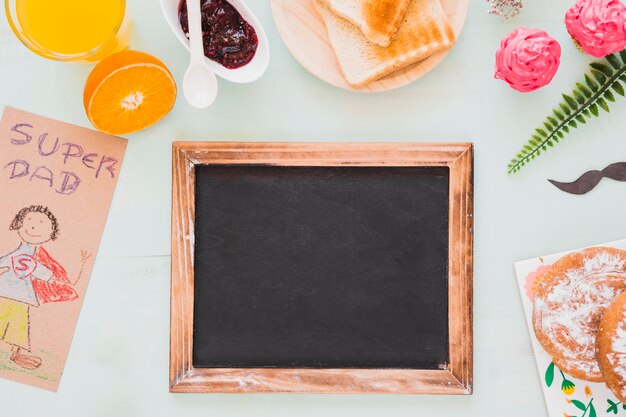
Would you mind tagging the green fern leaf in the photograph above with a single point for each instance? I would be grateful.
(599, 75)
(565, 109)
(609, 96)
(586, 99)
(614, 61)
(553, 121)
(558, 114)
(605, 69)
(580, 98)
(602, 103)
(594, 87)
(586, 92)
(572, 103)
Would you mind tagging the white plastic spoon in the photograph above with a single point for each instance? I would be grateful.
(199, 84)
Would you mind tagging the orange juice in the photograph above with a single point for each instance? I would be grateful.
(70, 30)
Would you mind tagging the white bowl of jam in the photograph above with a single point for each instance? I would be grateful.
(235, 44)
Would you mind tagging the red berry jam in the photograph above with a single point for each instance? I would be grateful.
(227, 37)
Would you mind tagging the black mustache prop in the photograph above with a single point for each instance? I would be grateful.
(590, 179)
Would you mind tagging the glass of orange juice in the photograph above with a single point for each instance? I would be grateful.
(70, 30)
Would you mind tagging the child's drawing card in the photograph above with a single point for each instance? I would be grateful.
(56, 185)
(565, 395)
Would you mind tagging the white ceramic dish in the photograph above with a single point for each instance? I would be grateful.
(246, 74)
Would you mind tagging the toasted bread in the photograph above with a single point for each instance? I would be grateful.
(424, 31)
(379, 20)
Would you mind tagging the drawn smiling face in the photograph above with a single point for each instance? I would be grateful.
(36, 229)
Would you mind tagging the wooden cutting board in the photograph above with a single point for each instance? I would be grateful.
(304, 33)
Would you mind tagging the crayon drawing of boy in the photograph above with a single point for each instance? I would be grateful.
(30, 277)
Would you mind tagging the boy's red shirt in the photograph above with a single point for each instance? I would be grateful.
(59, 289)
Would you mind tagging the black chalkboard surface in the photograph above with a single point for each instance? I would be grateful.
(321, 267)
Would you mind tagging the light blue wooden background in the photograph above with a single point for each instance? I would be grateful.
(118, 364)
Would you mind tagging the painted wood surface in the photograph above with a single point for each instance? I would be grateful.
(118, 364)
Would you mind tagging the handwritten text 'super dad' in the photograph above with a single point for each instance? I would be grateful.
(73, 157)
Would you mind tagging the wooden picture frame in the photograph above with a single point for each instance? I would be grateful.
(456, 379)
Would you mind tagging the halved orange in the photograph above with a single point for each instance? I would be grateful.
(127, 92)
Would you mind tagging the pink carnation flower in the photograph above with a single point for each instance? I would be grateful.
(527, 59)
(598, 26)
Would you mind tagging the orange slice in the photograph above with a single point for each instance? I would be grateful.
(127, 92)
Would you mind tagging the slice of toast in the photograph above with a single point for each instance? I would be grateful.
(424, 31)
(379, 20)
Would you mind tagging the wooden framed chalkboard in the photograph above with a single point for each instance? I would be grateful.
(322, 268)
